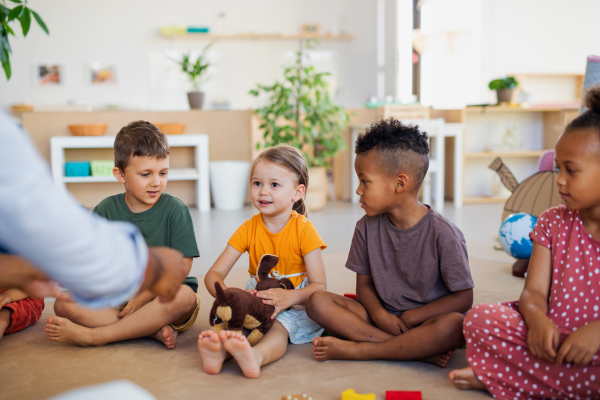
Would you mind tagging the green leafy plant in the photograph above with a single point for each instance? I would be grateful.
(23, 14)
(195, 70)
(301, 113)
(504, 83)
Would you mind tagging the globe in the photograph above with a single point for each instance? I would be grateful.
(514, 234)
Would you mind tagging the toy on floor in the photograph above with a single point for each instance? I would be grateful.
(514, 235)
(303, 396)
(350, 394)
(351, 296)
(235, 308)
(532, 196)
(402, 395)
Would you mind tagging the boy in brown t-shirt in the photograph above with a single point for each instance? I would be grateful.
(412, 270)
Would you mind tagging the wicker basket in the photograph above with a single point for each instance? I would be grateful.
(170, 129)
(88, 130)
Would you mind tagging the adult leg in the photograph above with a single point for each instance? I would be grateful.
(147, 321)
(270, 348)
(343, 318)
(438, 335)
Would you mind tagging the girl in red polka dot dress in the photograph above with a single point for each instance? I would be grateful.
(546, 344)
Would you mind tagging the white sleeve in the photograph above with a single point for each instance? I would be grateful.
(101, 262)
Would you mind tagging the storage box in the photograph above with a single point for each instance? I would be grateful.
(77, 168)
(102, 167)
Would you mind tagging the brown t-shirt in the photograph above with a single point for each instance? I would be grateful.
(411, 267)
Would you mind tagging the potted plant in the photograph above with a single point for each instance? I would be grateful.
(197, 74)
(301, 113)
(504, 88)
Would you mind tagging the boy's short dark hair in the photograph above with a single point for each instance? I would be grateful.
(139, 138)
(402, 147)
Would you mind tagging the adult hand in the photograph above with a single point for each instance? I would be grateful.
(137, 302)
(389, 323)
(580, 346)
(278, 298)
(251, 291)
(165, 272)
(543, 338)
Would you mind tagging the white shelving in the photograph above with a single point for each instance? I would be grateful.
(59, 144)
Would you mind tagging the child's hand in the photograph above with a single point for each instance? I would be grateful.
(136, 302)
(543, 338)
(4, 299)
(580, 346)
(251, 291)
(390, 323)
(278, 298)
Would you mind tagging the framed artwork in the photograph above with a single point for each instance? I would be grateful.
(102, 73)
(49, 75)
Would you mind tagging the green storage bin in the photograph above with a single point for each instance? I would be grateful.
(102, 167)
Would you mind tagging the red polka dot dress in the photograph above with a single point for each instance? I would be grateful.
(496, 334)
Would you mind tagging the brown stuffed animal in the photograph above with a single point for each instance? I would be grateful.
(235, 308)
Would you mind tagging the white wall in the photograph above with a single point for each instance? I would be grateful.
(126, 33)
(492, 38)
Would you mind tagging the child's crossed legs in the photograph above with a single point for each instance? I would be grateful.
(75, 324)
(432, 341)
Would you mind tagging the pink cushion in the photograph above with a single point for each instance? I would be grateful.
(546, 162)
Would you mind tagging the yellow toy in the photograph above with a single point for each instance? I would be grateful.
(350, 394)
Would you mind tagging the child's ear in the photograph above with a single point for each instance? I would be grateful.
(402, 181)
(119, 174)
(300, 191)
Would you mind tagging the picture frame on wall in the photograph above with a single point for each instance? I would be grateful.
(102, 73)
(49, 74)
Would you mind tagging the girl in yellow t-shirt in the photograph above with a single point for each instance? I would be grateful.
(279, 179)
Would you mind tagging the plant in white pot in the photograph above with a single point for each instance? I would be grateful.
(197, 74)
(301, 113)
(504, 88)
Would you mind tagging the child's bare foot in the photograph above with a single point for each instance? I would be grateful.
(441, 360)
(239, 347)
(330, 348)
(64, 331)
(167, 335)
(212, 352)
(465, 379)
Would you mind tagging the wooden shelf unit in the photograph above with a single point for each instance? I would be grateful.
(507, 154)
(553, 121)
(250, 36)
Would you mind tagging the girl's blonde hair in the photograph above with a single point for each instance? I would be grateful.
(291, 159)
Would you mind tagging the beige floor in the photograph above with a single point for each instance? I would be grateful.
(33, 367)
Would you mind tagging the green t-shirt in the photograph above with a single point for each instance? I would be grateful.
(168, 223)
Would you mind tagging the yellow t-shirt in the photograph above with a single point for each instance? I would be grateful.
(297, 238)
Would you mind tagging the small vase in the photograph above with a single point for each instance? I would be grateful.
(196, 99)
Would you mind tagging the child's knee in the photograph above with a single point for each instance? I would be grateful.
(452, 326)
(185, 301)
(63, 308)
(316, 303)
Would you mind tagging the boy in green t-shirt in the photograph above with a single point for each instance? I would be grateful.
(142, 165)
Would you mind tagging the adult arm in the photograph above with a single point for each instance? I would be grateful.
(103, 263)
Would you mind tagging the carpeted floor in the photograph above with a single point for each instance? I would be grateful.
(33, 367)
